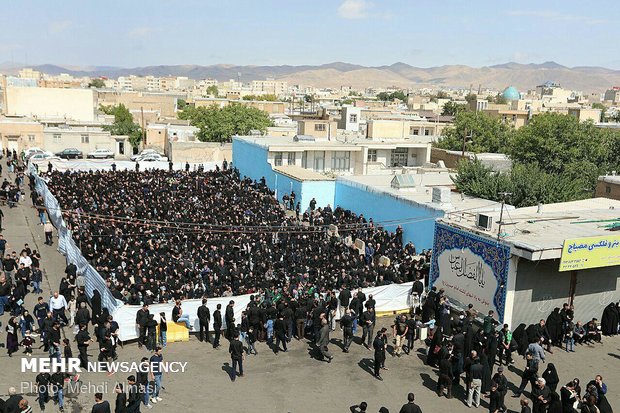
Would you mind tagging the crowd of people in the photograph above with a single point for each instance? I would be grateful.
(456, 347)
(159, 236)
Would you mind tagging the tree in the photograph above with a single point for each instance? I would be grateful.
(181, 103)
(452, 108)
(220, 124)
(389, 97)
(96, 83)
(123, 124)
(267, 98)
(499, 99)
(471, 97)
(603, 109)
(485, 133)
(553, 141)
(528, 185)
(213, 90)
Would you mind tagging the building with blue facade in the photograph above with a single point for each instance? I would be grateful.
(413, 197)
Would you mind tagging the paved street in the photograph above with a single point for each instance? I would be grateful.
(288, 382)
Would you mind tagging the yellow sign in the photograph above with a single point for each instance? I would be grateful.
(591, 252)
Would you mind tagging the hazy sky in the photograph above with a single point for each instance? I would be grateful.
(423, 33)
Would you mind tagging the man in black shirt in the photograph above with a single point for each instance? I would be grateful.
(237, 355)
(43, 382)
(346, 323)
(445, 376)
(142, 316)
(204, 318)
(83, 341)
(379, 346)
(230, 319)
(134, 399)
(410, 407)
(280, 333)
(368, 326)
(345, 299)
(101, 406)
(217, 325)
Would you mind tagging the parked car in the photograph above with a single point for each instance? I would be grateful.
(101, 154)
(151, 157)
(31, 151)
(70, 153)
(45, 156)
(143, 153)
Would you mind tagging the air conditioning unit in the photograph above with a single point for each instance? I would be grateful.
(484, 221)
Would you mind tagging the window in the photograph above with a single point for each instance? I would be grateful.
(291, 158)
(399, 157)
(319, 127)
(85, 138)
(277, 159)
(56, 138)
(319, 161)
(353, 118)
(304, 159)
(427, 132)
(341, 160)
(608, 189)
(372, 155)
(30, 138)
(414, 131)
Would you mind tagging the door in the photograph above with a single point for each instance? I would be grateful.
(121, 147)
(12, 144)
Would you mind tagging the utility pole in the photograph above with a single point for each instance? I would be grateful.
(465, 136)
(501, 213)
(143, 128)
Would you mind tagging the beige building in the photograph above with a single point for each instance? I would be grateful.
(402, 129)
(159, 135)
(584, 114)
(86, 138)
(19, 134)
(46, 103)
(199, 152)
(318, 128)
(162, 103)
(608, 186)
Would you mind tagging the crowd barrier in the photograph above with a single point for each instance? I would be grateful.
(389, 299)
(67, 247)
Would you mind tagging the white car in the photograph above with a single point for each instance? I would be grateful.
(31, 151)
(43, 156)
(100, 154)
(151, 157)
(144, 153)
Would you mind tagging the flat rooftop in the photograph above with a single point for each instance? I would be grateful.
(422, 194)
(336, 143)
(540, 235)
(610, 179)
(302, 174)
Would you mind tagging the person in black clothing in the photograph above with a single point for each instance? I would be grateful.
(101, 406)
(120, 405)
(379, 345)
(410, 407)
(151, 333)
(495, 402)
(134, 398)
(367, 320)
(217, 325)
(280, 333)
(230, 319)
(43, 380)
(237, 355)
(502, 386)
(529, 374)
(346, 323)
(83, 341)
(445, 376)
(204, 318)
(142, 316)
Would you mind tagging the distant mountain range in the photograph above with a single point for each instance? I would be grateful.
(522, 76)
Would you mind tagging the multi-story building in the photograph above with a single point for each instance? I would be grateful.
(612, 95)
(44, 103)
(20, 133)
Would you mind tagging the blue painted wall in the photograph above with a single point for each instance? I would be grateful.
(383, 207)
(251, 160)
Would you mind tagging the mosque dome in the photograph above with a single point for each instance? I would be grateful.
(511, 93)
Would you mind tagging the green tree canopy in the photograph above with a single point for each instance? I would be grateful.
(267, 98)
(96, 83)
(451, 108)
(213, 90)
(485, 133)
(123, 123)
(220, 124)
(527, 184)
(390, 97)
